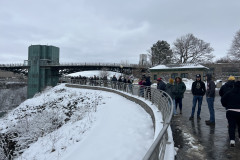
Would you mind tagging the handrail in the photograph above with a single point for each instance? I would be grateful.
(161, 99)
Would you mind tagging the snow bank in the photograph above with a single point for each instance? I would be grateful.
(68, 123)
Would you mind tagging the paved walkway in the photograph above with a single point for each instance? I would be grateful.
(211, 143)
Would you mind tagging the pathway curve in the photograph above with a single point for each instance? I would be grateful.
(210, 142)
(122, 128)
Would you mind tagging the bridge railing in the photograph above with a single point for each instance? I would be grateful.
(161, 99)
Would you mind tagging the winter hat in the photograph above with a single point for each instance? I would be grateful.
(231, 78)
(159, 79)
(171, 81)
(198, 76)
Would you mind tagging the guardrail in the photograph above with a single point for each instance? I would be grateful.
(161, 99)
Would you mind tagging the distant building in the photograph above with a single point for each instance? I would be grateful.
(143, 59)
(223, 70)
(177, 70)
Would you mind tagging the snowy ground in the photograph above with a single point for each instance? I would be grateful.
(56, 126)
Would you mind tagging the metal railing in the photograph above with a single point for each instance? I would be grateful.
(159, 98)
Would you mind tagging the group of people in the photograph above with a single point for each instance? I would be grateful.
(175, 88)
(199, 89)
(230, 99)
(122, 83)
(229, 93)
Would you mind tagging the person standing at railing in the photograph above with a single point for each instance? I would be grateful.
(160, 84)
(169, 90)
(129, 82)
(124, 84)
(178, 91)
(114, 81)
(141, 87)
(147, 83)
(120, 83)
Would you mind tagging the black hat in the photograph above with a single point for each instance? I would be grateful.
(198, 76)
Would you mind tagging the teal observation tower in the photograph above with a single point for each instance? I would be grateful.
(42, 73)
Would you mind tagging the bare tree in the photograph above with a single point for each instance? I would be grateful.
(104, 73)
(190, 49)
(234, 51)
(225, 59)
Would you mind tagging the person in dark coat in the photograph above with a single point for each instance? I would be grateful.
(147, 83)
(231, 101)
(178, 91)
(169, 90)
(198, 90)
(210, 95)
(160, 84)
(227, 86)
(114, 82)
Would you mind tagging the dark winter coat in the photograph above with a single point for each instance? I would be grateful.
(198, 88)
(114, 79)
(161, 85)
(179, 89)
(231, 99)
(226, 87)
(210, 87)
(169, 90)
(147, 82)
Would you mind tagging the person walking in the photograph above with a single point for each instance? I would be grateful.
(160, 84)
(231, 101)
(169, 90)
(210, 95)
(178, 91)
(227, 86)
(198, 90)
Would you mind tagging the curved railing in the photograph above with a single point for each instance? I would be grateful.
(161, 99)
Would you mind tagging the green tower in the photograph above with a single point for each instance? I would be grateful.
(42, 73)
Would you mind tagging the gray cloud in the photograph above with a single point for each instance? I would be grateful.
(112, 31)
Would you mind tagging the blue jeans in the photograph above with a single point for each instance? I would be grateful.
(195, 100)
(210, 102)
(174, 107)
(178, 101)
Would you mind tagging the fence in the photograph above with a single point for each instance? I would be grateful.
(161, 99)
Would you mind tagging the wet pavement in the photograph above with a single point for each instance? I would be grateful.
(198, 141)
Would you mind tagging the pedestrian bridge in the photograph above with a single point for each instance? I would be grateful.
(67, 68)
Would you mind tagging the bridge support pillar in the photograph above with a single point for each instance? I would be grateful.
(42, 73)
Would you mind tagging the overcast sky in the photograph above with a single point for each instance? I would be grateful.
(112, 30)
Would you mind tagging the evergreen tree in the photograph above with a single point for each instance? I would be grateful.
(160, 53)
